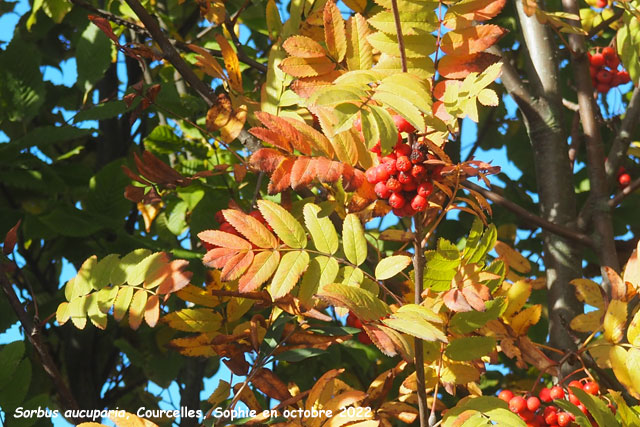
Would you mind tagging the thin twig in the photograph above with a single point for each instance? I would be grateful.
(604, 24)
(633, 186)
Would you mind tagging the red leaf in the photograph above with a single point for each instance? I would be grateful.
(218, 257)
(464, 13)
(286, 130)
(455, 301)
(473, 298)
(281, 177)
(380, 339)
(11, 238)
(266, 160)
(303, 172)
(471, 40)
(104, 26)
(271, 137)
(236, 266)
(460, 66)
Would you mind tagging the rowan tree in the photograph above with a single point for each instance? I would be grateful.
(280, 190)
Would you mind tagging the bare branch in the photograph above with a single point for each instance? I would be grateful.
(633, 186)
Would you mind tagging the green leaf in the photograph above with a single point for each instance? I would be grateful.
(101, 273)
(401, 106)
(102, 111)
(322, 231)
(322, 270)
(353, 240)
(352, 276)
(122, 301)
(346, 114)
(286, 227)
(361, 302)
(410, 87)
(596, 406)
(389, 267)
(299, 354)
(476, 250)
(289, 271)
(492, 407)
(12, 396)
(470, 348)
(628, 415)
(415, 325)
(628, 45)
(386, 129)
(472, 320)
(70, 221)
(93, 56)
(441, 266)
(10, 357)
(129, 262)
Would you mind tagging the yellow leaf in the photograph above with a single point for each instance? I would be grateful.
(291, 267)
(303, 47)
(359, 54)
(633, 367)
(614, 321)
(357, 6)
(530, 316)
(334, 31)
(237, 307)
(199, 296)
(232, 129)
(416, 46)
(512, 257)
(587, 322)
(619, 356)
(517, 296)
(194, 320)
(136, 309)
(264, 264)
(458, 372)
(208, 63)
(633, 333)
(589, 292)
(488, 97)
(389, 267)
(62, 313)
(220, 393)
(632, 270)
(152, 311)
(313, 401)
(214, 11)
(195, 346)
(231, 63)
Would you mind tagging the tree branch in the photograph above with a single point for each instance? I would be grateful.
(530, 217)
(603, 226)
(34, 335)
(633, 186)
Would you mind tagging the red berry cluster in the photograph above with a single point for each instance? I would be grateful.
(604, 79)
(354, 322)
(601, 4)
(402, 177)
(538, 411)
(624, 179)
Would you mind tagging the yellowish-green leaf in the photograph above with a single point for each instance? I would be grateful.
(633, 367)
(137, 273)
(356, 5)
(385, 128)
(286, 227)
(361, 302)
(618, 356)
(633, 333)
(353, 240)
(291, 267)
(220, 394)
(615, 320)
(488, 97)
(322, 270)
(274, 22)
(587, 322)
(136, 309)
(421, 311)
(359, 54)
(101, 274)
(105, 298)
(588, 292)
(352, 276)
(344, 145)
(415, 325)
(416, 46)
(263, 266)
(129, 261)
(199, 296)
(458, 373)
(425, 20)
(415, 6)
(401, 106)
(62, 313)
(470, 348)
(122, 301)
(194, 320)
(334, 31)
(97, 317)
(337, 94)
(409, 86)
(422, 67)
(78, 311)
(389, 267)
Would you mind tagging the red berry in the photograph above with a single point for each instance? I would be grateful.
(527, 415)
(419, 203)
(402, 124)
(419, 172)
(533, 403)
(624, 180)
(556, 392)
(591, 387)
(396, 200)
(228, 228)
(505, 395)
(357, 123)
(582, 408)
(564, 419)
(405, 178)
(390, 166)
(416, 157)
(403, 150)
(574, 399)
(425, 189)
(410, 186)
(602, 88)
(351, 319)
(372, 175)
(576, 384)
(593, 71)
(382, 174)
(549, 409)
(601, 3)
(544, 395)
(403, 163)
(551, 418)
(391, 157)
(597, 60)
(622, 77)
(382, 191)
(394, 185)
(517, 404)
(604, 76)
(218, 216)
(364, 338)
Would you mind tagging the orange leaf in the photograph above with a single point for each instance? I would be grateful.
(463, 14)
(618, 287)
(471, 40)
(232, 129)
(305, 87)
(307, 67)
(268, 383)
(456, 301)
(281, 177)
(380, 339)
(250, 228)
(266, 160)
(460, 66)
(303, 47)
(152, 310)
(316, 139)
(236, 266)
(177, 278)
(225, 240)
(273, 138)
(286, 130)
(334, 31)
(231, 63)
(208, 63)
(303, 172)
(10, 239)
(220, 113)
(218, 257)
(263, 267)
